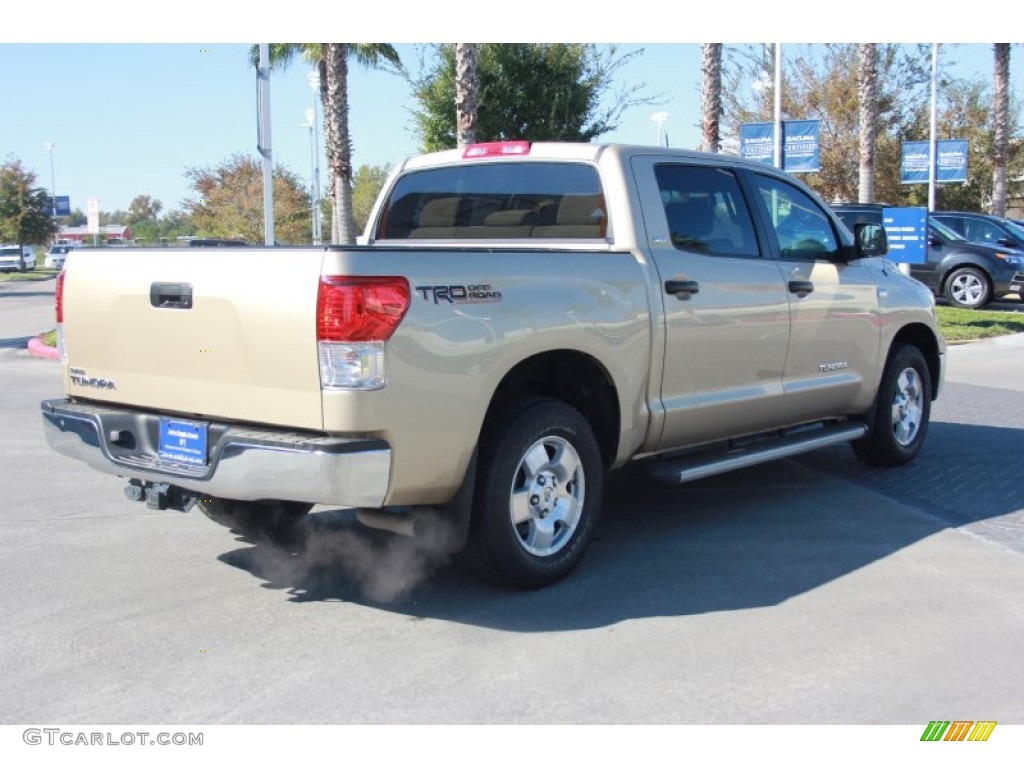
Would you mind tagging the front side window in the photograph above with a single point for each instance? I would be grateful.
(982, 231)
(705, 210)
(802, 229)
(497, 201)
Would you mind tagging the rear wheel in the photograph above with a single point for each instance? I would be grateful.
(538, 496)
(274, 521)
(903, 406)
(968, 288)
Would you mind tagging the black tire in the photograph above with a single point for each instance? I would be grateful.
(899, 421)
(276, 521)
(968, 288)
(540, 464)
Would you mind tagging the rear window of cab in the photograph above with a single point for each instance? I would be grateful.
(497, 201)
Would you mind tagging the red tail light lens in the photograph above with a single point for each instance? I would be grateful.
(360, 308)
(59, 298)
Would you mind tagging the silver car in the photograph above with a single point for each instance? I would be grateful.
(56, 256)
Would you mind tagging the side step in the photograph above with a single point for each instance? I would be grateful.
(694, 467)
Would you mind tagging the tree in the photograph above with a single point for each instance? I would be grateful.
(331, 61)
(25, 212)
(230, 202)
(467, 93)
(77, 218)
(710, 95)
(368, 182)
(817, 84)
(1001, 126)
(537, 92)
(867, 103)
(144, 217)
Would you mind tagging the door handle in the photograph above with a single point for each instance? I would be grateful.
(682, 289)
(801, 287)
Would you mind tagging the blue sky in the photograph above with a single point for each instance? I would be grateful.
(130, 118)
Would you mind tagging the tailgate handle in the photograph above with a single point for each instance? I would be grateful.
(171, 295)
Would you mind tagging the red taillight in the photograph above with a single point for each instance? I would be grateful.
(360, 308)
(496, 149)
(59, 298)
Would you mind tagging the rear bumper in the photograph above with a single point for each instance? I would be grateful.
(245, 463)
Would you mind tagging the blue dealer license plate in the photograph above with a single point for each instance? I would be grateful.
(183, 441)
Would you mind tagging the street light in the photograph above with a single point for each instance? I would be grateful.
(314, 82)
(49, 147)
(661, 118)
(310, 123)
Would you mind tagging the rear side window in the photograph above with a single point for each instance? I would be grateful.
(497, 201)
(705, 210)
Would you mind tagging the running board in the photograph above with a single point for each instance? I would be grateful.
(689, 468)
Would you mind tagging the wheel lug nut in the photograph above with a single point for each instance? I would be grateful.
(535, 500)
(540, 480)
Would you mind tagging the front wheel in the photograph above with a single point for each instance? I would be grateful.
(902, 408)
(968, 288)
(539, 492)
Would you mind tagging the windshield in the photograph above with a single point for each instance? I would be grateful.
(943, 230)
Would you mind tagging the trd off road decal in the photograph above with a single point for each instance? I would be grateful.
(459, 294)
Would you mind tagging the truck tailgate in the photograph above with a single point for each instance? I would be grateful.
(227, 333)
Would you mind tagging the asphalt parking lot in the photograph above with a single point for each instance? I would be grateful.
(809, 591)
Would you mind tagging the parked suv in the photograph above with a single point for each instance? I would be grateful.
(983, 228)
(14, 258)
(966, 274)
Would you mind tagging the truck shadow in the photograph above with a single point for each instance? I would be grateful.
(750, 539)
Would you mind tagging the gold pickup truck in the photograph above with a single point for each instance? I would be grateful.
(520, 319)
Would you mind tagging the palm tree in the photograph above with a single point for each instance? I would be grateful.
(467, 93)
(867, 99)
(331, 61)
(1001, 118)
(710, 95)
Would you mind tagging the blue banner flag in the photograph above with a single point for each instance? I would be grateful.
(800, 149)
(801, 141)
(757, 142)
(951, 168)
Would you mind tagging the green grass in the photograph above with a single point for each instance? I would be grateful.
(971, 324)
(37, 274)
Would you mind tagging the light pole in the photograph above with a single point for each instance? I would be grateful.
(314, 82)
(49, 147)
(661, 118)
(311, 124)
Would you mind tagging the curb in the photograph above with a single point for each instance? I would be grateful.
(36, 348)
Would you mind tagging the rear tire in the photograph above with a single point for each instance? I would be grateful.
(538, 494)
(273, 521)
(899, 421)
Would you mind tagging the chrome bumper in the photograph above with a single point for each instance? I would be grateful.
(245, 463)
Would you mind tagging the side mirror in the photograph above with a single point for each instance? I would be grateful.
(934, 241)
(1007, 242)
(871, 240)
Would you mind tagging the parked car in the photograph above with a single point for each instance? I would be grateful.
(56, 255)
(983, 228)
(967, 274)
(12, 258)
